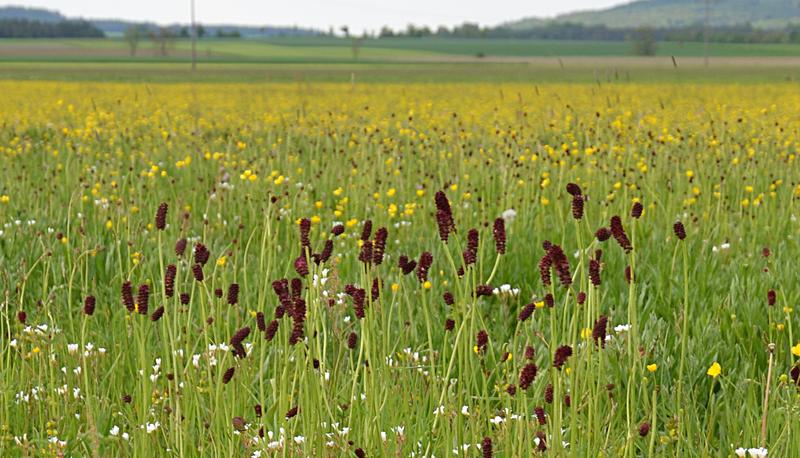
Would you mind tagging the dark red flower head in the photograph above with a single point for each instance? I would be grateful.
(444, 216)
(379, 246)
(540, 415)
(366, 232)
(143, 298)
(180, 247)
(636, 210)
(301, 265)
(406, 265)
(471, 253)
(486, 447)
(201, 254)
(603, 234)
(482, 340)
(228, 375)
(577, 207)
(88, 305)
(233, 294)
(562, 353)
(526, 312)
(272, 328)
(573, 189)
(544, 269)
(127, 296)
(157, 314)
(527, 375)
(619, 234)
(561, 264)
(499, 232)
(239, 336)
(169, 280)
(197, 271)
(599, 331)
(161, 216)
(679, 230)
(305, 230)
(424, 264)
(594, 272)
(365, 255)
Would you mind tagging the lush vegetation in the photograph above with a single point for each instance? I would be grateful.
(23, 28)
(311, 269)
(736, 33)
(682, 13)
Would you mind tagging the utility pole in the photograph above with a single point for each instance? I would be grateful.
(705, 32)
(194, 40)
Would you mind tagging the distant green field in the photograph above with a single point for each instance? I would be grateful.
(330, 50)
(393, 60)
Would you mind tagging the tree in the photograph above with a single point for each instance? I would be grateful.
(386, 32)
(162, 38)
(644, 42)
(133, 34)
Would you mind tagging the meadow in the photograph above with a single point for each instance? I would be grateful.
(451, 267)
(340, 50)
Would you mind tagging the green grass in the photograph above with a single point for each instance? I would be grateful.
(599, 71)
(86, 166)
(338, 50)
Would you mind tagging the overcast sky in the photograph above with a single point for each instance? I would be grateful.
(358, 14)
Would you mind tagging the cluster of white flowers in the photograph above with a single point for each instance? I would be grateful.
(506, 290)
(102, 203)
(722, 247)
(754, 452)
(156, 370)
(41, 330)
(620, 328)
(210, 354)
(26, 397)
(56, 441)
(320, 279)
(114, 431)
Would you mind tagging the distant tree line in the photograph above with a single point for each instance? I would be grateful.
(24, 28)
(744, 33)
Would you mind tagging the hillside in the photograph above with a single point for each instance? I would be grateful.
(30, 14)
(116, 27)
(678, 13)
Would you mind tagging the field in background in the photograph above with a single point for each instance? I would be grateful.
(617, 70)
(401, 60)
(326, 49)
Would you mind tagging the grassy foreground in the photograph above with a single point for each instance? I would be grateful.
(173, 284)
